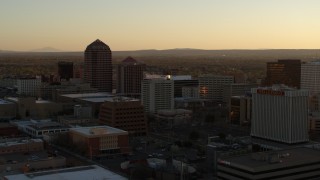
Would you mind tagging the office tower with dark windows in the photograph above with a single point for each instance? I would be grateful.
(129, 77)
(310, 77)
(286, 71)
(98, 66)
(65, 70)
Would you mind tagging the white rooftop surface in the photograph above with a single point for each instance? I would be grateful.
(15, 99)
(42, 101)
(88, 95)
(101, 130)
(23, 123)
(75, 173)
(181, 77)
(96, 99)
(2, 101)
(155, 76)
(109, 99)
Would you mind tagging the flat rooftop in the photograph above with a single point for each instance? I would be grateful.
(26, 157)
(14, 142)
(190, 99)
(96, 99)
(2, 101)
(41, 124)
(88, 95)
(42, 101)
(290, 157)
(14, 99)
(81, 172)
(98, 130)
(108, 99)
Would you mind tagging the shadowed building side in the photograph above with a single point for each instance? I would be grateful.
(98, 66)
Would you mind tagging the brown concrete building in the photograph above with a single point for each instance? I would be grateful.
(98, 66)
(101, 140)
(129, 77)
(124, 113)
(287, 71)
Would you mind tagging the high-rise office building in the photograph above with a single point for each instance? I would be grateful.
(211, 86)
(29, 86)
(129, 76)
(98, 66)
(157, 94)
(286, 71)
(65, 70)
(310, 77)
(280, 114)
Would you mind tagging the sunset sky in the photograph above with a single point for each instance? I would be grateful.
(71, 25)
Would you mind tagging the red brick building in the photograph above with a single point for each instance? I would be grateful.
(101, 140)
(124, 113)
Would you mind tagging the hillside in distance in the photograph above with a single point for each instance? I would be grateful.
(245, 65)
(264, 54)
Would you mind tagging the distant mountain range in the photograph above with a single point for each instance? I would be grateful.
(46, 49)
(304, 54)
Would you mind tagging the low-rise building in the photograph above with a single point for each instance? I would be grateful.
(39, 128)
(8, 130)
(93, 100)
(101, 140)
(80, 172)
(7, 109)
(28, 162)
(30, 107)
(20, 145)
(298, 163)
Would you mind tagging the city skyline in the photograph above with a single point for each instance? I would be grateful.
(135, 25)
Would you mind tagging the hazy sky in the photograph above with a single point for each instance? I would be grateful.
(160, 24)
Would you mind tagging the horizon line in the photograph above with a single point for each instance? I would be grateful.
(182, 49)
